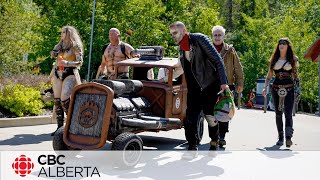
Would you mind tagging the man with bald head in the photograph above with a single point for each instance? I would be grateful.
(205, 75)
(114, 52)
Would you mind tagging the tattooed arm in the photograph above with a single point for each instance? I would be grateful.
(266, 84)
(79, 58)
(296, 76)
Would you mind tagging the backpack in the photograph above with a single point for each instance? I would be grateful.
(224, 109)
(122, 46)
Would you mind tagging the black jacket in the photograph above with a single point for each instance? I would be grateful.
(206, 63)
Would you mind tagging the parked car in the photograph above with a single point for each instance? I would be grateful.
(259, 99)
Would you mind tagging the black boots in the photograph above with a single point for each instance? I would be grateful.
(280, 140)
(222, 141)
(213, 145)
(288, 142)
(60, 114)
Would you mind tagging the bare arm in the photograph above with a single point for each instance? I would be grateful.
(78, 61)
(295, 70)
(150, 74)
(177, 71)
(268, 78)
(266, 84)
(79, 58)
(103, 64)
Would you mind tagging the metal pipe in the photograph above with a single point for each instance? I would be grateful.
(92, 27)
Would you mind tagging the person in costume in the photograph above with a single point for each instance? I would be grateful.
(69, 55)
(205, 76)
(284, 66)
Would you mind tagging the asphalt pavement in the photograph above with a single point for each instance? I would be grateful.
(250, 130)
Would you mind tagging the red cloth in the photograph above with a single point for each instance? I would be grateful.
(219, 47)
(184, 43)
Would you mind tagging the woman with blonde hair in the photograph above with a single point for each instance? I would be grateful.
(284, 65)
(69, 55)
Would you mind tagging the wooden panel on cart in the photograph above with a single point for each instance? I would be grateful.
(88, 116)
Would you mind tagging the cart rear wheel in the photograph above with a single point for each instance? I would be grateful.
(200, 127)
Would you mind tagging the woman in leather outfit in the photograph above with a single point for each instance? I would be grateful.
(69, 55)
(284, 66)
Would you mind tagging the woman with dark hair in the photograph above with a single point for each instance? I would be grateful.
(284, 65)
(69, 54)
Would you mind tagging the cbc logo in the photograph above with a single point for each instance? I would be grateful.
(22, 165)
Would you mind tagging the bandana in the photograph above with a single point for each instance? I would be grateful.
(184, 43)
(219, 47)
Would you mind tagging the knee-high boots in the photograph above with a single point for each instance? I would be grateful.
(60, 114)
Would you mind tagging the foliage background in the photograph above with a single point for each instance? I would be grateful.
(253, 26)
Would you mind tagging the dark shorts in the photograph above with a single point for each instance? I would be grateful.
(65, 73)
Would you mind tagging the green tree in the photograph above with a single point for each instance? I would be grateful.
(19, 34)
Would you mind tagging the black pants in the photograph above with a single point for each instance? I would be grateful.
(198, 100)
(288, 105)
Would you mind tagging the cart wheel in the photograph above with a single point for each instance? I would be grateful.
(57, 142)
(130, 149)
(59, 145)
(200, 127)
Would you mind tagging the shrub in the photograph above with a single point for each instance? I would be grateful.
(21, 100)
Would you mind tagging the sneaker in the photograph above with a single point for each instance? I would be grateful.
(189, 155)
(288, 142)
(222, 142)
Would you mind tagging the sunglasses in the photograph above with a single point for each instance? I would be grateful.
(283, 42)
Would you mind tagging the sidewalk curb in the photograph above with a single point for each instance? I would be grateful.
(27, 121)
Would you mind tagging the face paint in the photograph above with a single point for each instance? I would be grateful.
(176, 34)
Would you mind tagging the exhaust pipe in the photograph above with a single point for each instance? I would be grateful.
(149, 122)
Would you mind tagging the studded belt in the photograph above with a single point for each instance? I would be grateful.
(282, 86)
(283, 75)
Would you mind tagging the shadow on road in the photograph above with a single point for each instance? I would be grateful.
(162, 143)
(152, 165)
(21, 139)
(277, 153)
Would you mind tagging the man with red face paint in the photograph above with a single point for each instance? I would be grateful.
(205, 75)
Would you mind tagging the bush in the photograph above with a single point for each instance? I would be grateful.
(21, 100)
